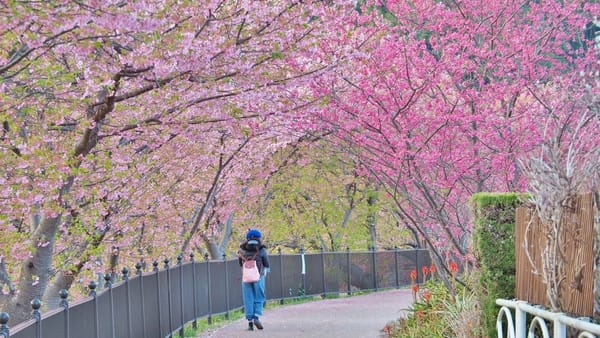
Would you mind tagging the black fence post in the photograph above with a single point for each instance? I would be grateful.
(180, 267)
(138, 272)
(108, 284)
(92, 286)
(417, 265)
(37, 316)
(4, 329)
(125, 273)
(64, 303)
(194, 323)
(349, 271)
(303, 291)
(226, 287)
(155, 269)
(396, 267)
(374, 262)
(209, 318)
(168, 271)
(324, 293)
(281, 301)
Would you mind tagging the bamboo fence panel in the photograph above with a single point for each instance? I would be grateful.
(577, 241)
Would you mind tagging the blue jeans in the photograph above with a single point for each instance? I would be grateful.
(254, 298)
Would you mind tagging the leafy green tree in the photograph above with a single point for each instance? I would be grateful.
(322, 201)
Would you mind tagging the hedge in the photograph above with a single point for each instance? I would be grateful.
(494, 249)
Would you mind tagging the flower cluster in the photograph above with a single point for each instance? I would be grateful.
(426, 271)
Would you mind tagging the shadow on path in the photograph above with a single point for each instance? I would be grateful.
(348, 317)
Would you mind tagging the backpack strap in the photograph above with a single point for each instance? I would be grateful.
(245, 259)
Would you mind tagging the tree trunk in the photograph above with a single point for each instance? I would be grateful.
(213, 247)
(35, 270)
(226, 233)
(63, 280)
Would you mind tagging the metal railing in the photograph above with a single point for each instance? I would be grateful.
(516, 327)
(159, 303)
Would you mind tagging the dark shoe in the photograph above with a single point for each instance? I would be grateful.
(250, 326)
(258, 324)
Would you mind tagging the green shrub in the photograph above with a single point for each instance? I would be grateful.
(438, 314)
(494, 249)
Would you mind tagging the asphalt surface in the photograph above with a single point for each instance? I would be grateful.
(362, 316)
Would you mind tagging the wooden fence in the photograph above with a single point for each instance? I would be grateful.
(577, 241)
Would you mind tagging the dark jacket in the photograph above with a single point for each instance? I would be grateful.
(248, 251)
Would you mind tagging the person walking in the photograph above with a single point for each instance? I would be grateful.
(254, 292)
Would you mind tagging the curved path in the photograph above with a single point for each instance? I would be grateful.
(347, 317)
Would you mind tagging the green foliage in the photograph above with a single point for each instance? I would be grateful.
(215, 322)
(319, 201)
(437, 313)
(309, 204)
(277, 55)
(425, 318)
(494, 247)
(358, 6)
(381, 9)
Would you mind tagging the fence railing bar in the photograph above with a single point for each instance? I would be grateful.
(349, 268)
(560, 321)
(169, 299)
(155, 269)
(226, 287)
(323, 274)
(64, 303)
(125, 272)
(138, 272)
(181, 307)
(396, 268)
(417, 266)
(195, 294)
(108, 285)
(302, 271)
(92, 286)
(4, 328)
(374, 267)
(281, 277)
(37, 316)
(208, 279)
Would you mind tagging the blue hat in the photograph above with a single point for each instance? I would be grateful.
(253, 233)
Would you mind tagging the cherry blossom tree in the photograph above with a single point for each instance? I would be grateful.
(136, 124)
(439, 100)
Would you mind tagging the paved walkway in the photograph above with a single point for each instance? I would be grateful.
(361, 316)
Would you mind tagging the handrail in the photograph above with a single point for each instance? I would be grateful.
(560, 321)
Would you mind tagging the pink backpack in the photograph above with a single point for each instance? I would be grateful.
(250, 272)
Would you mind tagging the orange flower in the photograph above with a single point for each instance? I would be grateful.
(433, 269)
(413, 275)
(453, 267)
(415, 288)
(427, 295)
(425, 270)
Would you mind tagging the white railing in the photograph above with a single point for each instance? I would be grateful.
(517, 328)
